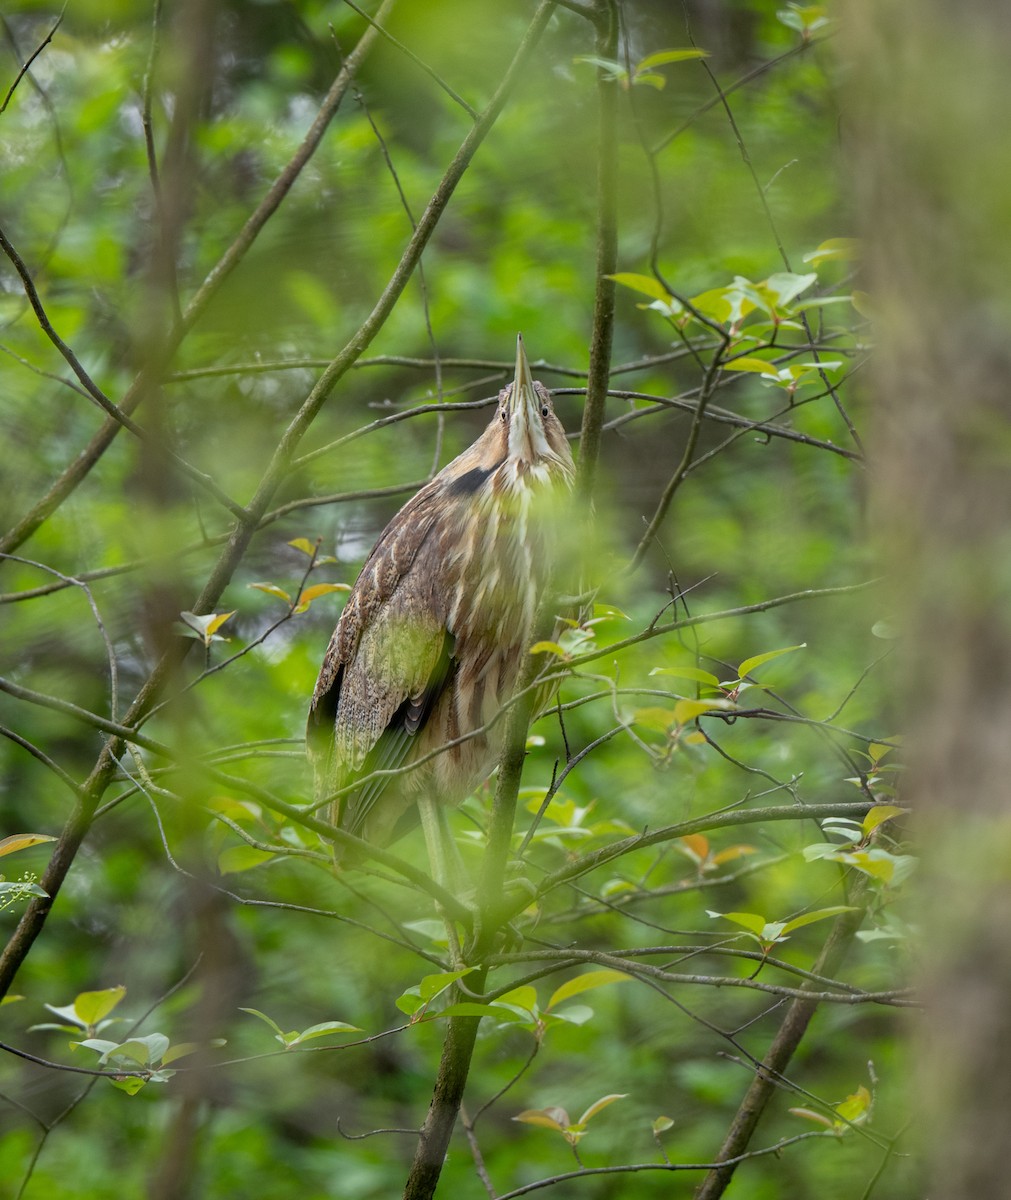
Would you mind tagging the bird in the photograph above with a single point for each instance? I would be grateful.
(428, 647)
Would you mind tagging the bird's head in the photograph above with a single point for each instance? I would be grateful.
(531, 434)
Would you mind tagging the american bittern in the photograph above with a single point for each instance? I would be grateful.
(428, 647)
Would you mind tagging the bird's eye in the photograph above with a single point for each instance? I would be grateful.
(504, 414)
(544, 410)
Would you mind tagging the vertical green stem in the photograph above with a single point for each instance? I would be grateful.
(607, 250)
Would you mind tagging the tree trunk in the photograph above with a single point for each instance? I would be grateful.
(929, 120)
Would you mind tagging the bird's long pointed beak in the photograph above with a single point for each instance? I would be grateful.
(523, 381)
(525, 433)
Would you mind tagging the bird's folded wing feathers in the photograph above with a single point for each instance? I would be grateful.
(398, 727)
(387, 663)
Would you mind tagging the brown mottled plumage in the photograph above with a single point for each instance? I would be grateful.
(430, 641)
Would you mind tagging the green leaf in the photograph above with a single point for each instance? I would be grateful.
(22, 887)
(409, 1002)
(650, 79)
(757, 660)
(272, 590)
(787, 286)
(304, 545)
(99, 1045)
(645, 284)
(751, 921)
(879, 864)
(255, 1012)
(661, 57)
(658, 719)
(131, 1084)
(204, 627)
(799, 370)
(695, 673)
(91, 1007)
(322, 1030)
(572, 1014)
(878, 750)
(661, 1125)
(522, 997)
(879, 814)
(585, 983)
(422, 993)
(470, 1008)
(855, 1108)
(432, 985)
(182, 1049)
(835, 248)
(214, 622)
(309, 594)
(805, 19)
(597, 1105)
(142, 1050)
(819, 914)
(608, 612)
(22, 841)
(548, 648)
(758, 365)
(722, 304)
(546, 1118)
(821, 850)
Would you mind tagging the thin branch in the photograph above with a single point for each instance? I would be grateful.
(110, 653)
(61, 379)
(652, 631)
(717, 820)
(43, 758)
(55, 1066)
(146, 117)
(745, 79)
(114, 411)
(57, 704)
(646, 363)
(432, 74)
(634, 1168)
(607, 250)
(31, 58)
(705, 394)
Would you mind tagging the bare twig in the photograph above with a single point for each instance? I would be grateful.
(31, 58)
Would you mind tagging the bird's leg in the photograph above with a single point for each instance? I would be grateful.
(441, 849)
(434, 830)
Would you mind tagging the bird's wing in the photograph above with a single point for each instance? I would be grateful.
(395, 728)
(387, 664)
